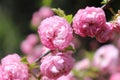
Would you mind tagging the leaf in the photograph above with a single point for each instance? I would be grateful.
(104, 1)
(69, 48)
(33, 65)
(24, 60)
(59, 12)
(69, 18)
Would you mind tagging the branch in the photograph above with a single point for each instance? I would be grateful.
(105, 5)
(37, 60)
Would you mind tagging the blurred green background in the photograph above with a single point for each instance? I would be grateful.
(15, 17)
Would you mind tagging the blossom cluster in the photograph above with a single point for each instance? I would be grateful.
(50, 48)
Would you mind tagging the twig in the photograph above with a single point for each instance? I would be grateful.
(105, 5)
(37, 60)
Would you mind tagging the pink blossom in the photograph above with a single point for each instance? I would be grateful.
(82, 64)
(67, 77)
(32, 39)
(13, 69)
(11, 58)
(88, 21)
(55, 33)
(56, 65)
(116, 24)
(45, 12)
(42, 13)
(115, 76)
(26, 47)
(36, 19)
(105, 33)
(106, 58)
(28, 44)
(38, 50)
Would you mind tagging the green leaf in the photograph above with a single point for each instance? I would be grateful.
(69, 18)
(59, 12)
(33, 65)
(104, 1)
(24, 60)
(69, 48)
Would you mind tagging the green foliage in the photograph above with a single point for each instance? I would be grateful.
(31, 66)
(24, 60)
(9, 35)
(69, 18)
(46, 2)
(104, 1)
(70, 48)
(61, 13)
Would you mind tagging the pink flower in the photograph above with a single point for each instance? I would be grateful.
(82, 64)
(13, 69)
(36, 19)
(32, 39)
(67, 77)
(56, 65)
(55, 33)
(42, 13)
(28, 44)
(38, 50)
(116, 24)
(105, 33)
(45, 12)
(106, 58)
(88, 21)
(115, 76)
(11, 58)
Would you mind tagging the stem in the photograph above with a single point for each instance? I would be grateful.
(33, 74)
(111, 10)
(42, 56)
(105, 5)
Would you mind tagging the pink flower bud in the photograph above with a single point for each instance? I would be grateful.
(13, 69)
(88, 21)
(105, 33)
(106, 58)
(55, 33)
(56, 65)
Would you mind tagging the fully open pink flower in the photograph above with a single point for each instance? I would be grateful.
(88, 21)
(55, 33)
(106, 58)
(56, 65)
(11, 58)
(12, 69)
